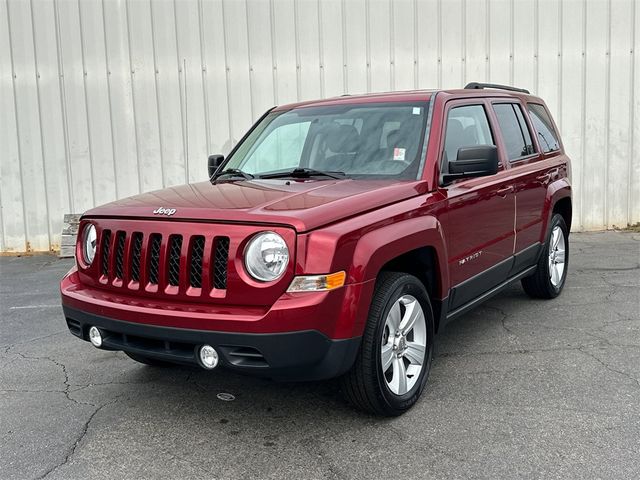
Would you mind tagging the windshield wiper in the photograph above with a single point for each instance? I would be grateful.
(303, 172)
(235, 172)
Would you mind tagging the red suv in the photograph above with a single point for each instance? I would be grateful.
(336, 239)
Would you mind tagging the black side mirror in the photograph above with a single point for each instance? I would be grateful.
(477, 161)
(214, 163)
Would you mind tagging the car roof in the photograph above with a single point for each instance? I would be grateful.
(408, 96)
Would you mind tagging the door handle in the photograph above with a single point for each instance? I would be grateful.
(544, 178)
(504, 190)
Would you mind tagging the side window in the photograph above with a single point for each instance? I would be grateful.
(547, 136)
(514, 130)
(467, 126)
(280, 150)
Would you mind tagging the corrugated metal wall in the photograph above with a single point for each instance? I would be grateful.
(104, 99)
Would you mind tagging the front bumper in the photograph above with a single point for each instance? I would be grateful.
(294, 356)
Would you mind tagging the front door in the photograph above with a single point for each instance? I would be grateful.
(480, 217)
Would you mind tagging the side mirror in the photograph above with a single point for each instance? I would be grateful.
(477, 161)
(213, 163)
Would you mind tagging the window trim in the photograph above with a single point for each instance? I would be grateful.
(463, 102)
(522, 158)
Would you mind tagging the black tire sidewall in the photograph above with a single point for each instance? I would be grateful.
(405, 285)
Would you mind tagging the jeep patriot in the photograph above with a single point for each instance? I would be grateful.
(336, 239)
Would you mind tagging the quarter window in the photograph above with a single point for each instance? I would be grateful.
(514, 130)
(547, 136)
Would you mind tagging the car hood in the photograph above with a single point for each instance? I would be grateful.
(303, 204)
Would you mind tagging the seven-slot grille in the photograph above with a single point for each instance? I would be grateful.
(162, 263)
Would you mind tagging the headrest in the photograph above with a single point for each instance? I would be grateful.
(405, 133)
(343, 139)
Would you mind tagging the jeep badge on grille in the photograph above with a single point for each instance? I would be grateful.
(164, 211)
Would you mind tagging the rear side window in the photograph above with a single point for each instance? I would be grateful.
(467, 126)
(547, 136)
(514, 130)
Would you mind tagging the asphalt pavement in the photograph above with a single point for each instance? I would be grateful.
(519, 388)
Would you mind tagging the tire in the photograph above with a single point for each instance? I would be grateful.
(147, 360)
(366, 385)
(547, 281)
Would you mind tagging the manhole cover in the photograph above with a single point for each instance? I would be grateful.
(226, 397)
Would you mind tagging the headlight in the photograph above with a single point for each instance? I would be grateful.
(266, 256)
(89, 238)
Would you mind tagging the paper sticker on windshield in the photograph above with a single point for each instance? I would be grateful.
(398, 153)
(417, 110)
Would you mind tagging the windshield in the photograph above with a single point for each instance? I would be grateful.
(361, 141)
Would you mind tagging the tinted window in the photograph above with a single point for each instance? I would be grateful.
(514, 130)
(547, 136)
(467, 126)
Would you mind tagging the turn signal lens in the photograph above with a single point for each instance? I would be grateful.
(316, 283)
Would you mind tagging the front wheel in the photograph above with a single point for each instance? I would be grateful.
(394, 360)
(551, 273)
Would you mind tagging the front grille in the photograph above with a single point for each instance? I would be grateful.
(221, 258)
(195, 267)
(136, 251)
(173, 266)
(153, 263)
(154, 258)
(105, 247)
(120, 238)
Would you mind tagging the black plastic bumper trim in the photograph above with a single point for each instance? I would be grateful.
(303, 355)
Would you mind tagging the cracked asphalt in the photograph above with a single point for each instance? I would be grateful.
(519, 389)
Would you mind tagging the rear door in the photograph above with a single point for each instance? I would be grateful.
(531, 176)
(479, 222)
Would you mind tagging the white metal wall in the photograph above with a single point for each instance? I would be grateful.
(104, 99)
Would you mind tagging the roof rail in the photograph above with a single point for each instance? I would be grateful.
(477, 85)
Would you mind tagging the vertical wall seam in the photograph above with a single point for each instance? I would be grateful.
(321, 48)
(560, 65)
(392, 49)
(631, 115)
(416, 47)
(296, 45)
(367, 19)
(133, 96)
(63, 109)
(463, 44)
(226, 69)
(439, 15)
(536, 50)
(511, 41)
(205, 71)
(251, 97)
(109, 97)
(156, 74)
(86, 105)
(345, 76)
(607, 120)
(274, 54)
(25, 226)
(584, 110)
(487, 52)
(39, 102)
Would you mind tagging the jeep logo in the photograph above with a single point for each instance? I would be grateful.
(164, 211)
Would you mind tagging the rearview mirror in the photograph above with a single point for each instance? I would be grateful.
(476, 161)
(213, 163)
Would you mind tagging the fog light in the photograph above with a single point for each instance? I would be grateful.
(95, 336)
(208, 357)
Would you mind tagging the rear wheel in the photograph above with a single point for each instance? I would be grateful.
(551, 273)
(394, 360)
(147, 360)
